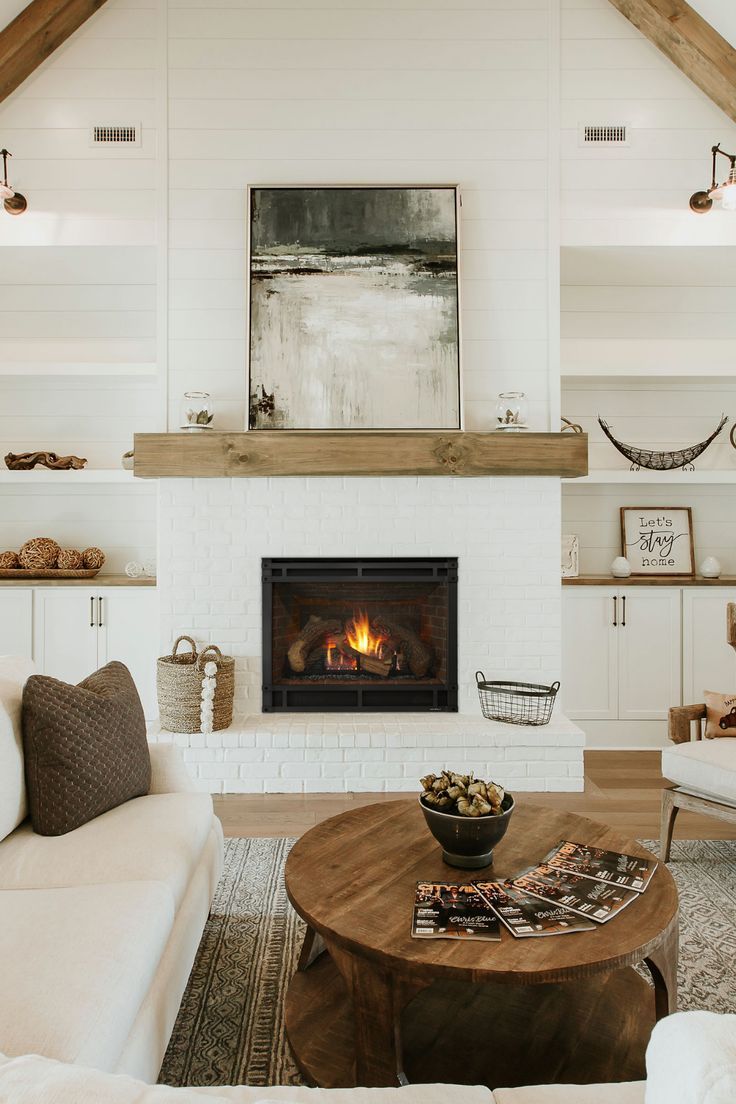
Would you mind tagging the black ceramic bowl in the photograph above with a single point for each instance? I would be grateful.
(468, 842)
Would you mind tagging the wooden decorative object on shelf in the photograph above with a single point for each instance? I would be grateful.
(285, 452)
(24, 461)
(41, 558)
(19, 573)
(93, 557)
(40, 552)
(70, 559)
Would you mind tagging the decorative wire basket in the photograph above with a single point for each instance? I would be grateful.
(522, 703)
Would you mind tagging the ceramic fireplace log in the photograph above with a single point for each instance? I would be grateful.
(418, 654)
(373, 664)
(315, 632)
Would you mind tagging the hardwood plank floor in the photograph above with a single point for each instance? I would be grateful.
(622, 788)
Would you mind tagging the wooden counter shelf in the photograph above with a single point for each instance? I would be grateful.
(290, 453)
(96, 581)
(651, 580)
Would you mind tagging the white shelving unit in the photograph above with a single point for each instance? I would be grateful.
(643, 477)
(72, 370)
(38, 476)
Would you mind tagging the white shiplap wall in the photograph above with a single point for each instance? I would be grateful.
(329, 91)
(246, 92)
(79, 279)
(647, 286)
(636, 195)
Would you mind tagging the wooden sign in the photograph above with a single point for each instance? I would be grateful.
(658, 540)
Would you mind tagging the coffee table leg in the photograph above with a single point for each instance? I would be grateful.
(377, 998)
(662, 965)
(312, 948)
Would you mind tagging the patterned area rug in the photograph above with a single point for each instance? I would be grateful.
(230, 1026)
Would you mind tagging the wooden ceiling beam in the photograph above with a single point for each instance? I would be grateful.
(691, 43)
(35, 34)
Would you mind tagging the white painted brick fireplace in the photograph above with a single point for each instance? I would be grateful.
(504, 532)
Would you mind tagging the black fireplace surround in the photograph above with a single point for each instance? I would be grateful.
(349, 635)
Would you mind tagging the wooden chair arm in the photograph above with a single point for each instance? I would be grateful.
(681, 719)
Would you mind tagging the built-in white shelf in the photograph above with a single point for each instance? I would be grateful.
(607, 376)
(82, 368)
(36, 476)
(645, 476)
(648, 358)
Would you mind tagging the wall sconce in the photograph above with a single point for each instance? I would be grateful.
(701, 202)
(13, 202)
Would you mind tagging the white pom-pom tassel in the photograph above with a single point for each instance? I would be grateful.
(207, 702)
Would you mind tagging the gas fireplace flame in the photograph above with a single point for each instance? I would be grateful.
(361, 636)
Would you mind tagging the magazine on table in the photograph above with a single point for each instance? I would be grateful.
(525, 915)
(630, 871)
(586, 896)
(446, 910)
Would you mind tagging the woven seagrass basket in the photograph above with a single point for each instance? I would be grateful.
(179, 686)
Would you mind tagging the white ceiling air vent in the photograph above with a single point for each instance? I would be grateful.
(603, 134)
(115, 134)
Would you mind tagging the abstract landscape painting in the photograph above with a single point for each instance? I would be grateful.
(353, 308)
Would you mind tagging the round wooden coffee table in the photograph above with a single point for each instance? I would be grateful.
(380, 1008)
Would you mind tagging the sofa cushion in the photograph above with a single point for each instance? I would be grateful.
(35, 1080)
(625, 1092)
(156, 838)
(14, 671)
(691, 1059)
(705, 766)
(85, 747)
(76, 965)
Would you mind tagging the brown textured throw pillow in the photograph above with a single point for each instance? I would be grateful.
(85, 748)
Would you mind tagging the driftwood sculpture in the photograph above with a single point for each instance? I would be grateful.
(24, 461)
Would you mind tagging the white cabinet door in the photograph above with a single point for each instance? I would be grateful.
(708, 662)
(589, 682)
(649, 652)
(16, 622)
(128, 631)
(65, 632)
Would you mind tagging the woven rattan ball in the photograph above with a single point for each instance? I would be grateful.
(69, 559)
(93, 557)
(39, 552)
(8, 559)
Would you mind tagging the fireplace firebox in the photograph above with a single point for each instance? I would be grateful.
(376, 635)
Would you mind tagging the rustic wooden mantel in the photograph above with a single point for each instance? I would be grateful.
(274, 453)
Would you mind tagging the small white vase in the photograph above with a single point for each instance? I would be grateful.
(620, 568)
(710, 568)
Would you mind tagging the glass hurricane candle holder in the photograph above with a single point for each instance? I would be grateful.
(512, 410)
(197, 410)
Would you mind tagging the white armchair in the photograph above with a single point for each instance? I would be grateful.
(703, 772)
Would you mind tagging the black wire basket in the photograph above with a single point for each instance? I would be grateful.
(522, 703)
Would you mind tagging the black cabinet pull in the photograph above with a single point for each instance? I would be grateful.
(99, 613)
(91, 613)
(615, 611)
(623, 606)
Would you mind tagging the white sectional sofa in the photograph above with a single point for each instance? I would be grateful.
(691, 1059)
(99, 927)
